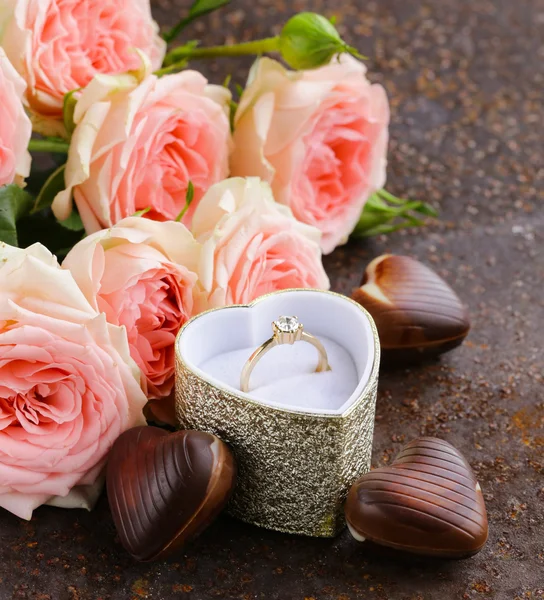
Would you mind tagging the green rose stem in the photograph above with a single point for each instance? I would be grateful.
(307, 41)
(190, 51)
(56, 146)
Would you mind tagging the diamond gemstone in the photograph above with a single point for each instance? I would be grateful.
(287, 324)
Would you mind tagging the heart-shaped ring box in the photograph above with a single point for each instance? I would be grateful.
(300, 438)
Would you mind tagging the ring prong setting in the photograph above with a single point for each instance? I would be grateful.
(287, 329)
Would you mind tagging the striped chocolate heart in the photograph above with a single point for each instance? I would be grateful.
(415, 310)
(427, 502)
(166, 488)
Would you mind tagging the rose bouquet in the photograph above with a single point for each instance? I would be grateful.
(154, 195)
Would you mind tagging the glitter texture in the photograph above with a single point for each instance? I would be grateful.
(294, 469)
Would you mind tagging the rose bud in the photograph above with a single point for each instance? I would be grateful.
(416, 312)
(309, 40)
(427, 501)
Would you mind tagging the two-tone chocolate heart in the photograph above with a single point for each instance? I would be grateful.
(166, 488)
(427, 502)
(416, 312)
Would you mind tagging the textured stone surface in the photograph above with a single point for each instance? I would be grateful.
(466, 87)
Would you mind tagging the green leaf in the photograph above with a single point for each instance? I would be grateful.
(53, 185)
(203, 7)
(188, 199)
(198, 9)
(239, 90)
(388, 228)
(384, 213)
(420, 207)
(427, 210)
(14, 204)
(68, 109)
(73, 222)
(140, 213)
(371, 218)
(190, 193)
(233, 107)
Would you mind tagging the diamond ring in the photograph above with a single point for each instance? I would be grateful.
(285, 330)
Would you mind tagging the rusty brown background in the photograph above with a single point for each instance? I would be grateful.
(465, 81)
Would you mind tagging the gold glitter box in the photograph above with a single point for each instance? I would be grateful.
(300, 438)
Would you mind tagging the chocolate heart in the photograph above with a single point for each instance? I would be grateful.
(166, 488)
(427, 502)
(416, 311)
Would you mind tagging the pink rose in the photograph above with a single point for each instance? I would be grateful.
(319, 137)
(60, 45)
(15, 127)
(137, 145)
(141, 274)
(68, 387)
(252, 245)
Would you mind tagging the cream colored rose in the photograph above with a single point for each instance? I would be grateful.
(139, 140)
(142, 275)
(252, 245)
(319, 137)
(60, 45)
(68, 386)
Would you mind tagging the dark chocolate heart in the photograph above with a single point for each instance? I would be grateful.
(166, 488)
(415, 310)
(427, 502)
